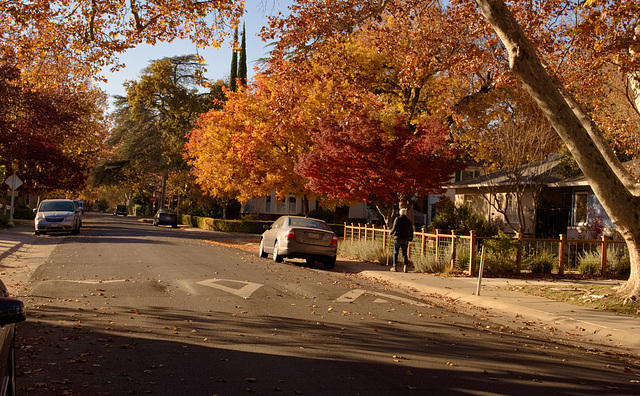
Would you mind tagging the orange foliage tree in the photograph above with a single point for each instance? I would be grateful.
(48, 37)
(251, 146)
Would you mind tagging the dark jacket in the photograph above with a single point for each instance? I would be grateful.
(402, 228)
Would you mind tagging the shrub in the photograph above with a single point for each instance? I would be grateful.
(589, 263)
(461, 218)
(618, 261)
(500, 255)
(542, 263)
(323, 214)
(23, 212)
(428, 264)
(362, 250)
(463, 258)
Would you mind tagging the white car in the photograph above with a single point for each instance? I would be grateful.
(58, 215)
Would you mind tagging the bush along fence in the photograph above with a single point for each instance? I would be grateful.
(452, 252)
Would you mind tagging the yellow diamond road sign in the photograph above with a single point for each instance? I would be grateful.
(13, 181)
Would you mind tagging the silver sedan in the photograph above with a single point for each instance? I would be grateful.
(300, 237)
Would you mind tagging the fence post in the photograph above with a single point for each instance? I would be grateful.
(518, 252)
(603, 257)
(561, 249)
(453, 250)
(437, 246)
(472, 252)
(344, 234)
(359, 232)
(384, 238)
(423, 242)
(352, 232)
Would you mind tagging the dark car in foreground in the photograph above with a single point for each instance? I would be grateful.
(11, 312)
(300, 237)
(57, 215)
(166, 216)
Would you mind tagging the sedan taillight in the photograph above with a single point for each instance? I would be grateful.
(334, 240)
(291, 235)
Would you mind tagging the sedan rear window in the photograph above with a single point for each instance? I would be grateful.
(309, 223)
(60, 206)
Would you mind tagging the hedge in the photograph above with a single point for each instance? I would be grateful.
(245, 226)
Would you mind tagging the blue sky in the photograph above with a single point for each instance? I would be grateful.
(218, 61)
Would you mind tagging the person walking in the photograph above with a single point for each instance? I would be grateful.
(402, 231)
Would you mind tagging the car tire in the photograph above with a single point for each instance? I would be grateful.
(276, 255)
(261, 251)
(37, 232)
(310, 261)
(330, 263)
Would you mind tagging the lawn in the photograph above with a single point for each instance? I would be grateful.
(601, 297)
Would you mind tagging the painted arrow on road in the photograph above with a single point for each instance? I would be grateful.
(245, 289)
(351, 295)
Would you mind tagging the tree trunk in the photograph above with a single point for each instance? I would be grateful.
(611, 182)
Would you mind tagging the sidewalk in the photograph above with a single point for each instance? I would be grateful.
(588, 327)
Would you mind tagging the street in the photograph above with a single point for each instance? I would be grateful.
(128, 308)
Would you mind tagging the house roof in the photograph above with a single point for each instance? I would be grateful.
(536, 173)
(543, 172)
(581, 180)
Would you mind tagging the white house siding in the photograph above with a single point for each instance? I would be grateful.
(269, 204)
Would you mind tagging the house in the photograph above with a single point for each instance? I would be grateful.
(271, 206)
(487, 192)
(564, 205)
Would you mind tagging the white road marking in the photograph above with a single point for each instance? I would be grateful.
(245, 291)
(351, 295)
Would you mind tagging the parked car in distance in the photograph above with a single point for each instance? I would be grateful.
(80, 204)
(166, 216)
(57, 215)
(11, 312)
(120, 210)
(300, 237)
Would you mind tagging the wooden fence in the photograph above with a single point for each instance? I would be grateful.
(451, 248)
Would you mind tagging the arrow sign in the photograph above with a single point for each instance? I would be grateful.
(13, 182)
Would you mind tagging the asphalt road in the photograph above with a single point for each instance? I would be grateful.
(127, 308)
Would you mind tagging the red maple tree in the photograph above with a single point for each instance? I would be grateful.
(358, 160)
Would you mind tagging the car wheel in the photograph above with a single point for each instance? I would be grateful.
(276, 255)
(261, 252)
(37, 232)
(330, 263)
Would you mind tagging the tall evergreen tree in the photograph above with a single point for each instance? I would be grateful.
(242, 66)
(234, 63)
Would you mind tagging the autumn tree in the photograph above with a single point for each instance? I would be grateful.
(52, 135)
(251, 146)
(86, 36)
(358, 160)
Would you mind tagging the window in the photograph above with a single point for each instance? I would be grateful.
(580, 208)
(512, 209)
